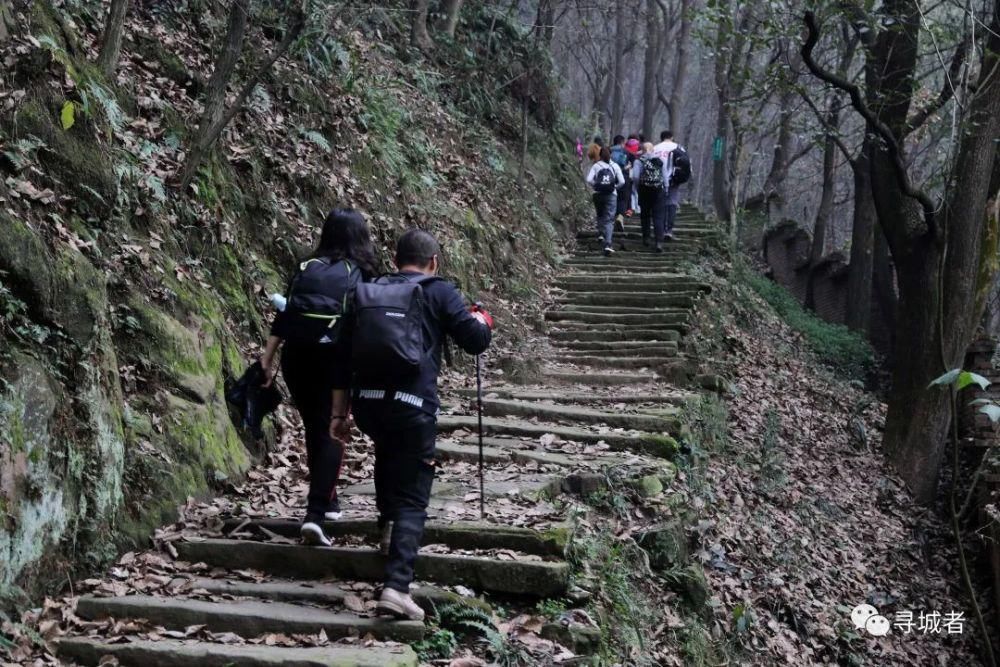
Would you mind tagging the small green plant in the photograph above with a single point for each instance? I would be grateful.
(551, 608)
(440, 644)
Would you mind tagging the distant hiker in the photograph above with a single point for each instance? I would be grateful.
(647, 174)
(315, 359)
(579, 150)
(633, 148)
(605, 178)
(660, 189)
(620, 156)
(400, 325)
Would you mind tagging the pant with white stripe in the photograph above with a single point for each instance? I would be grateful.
(404, 474)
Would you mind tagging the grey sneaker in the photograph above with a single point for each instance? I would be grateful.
(399, 605)
(383, 543)
(312, 535)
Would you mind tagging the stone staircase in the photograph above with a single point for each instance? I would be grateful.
(616, 331)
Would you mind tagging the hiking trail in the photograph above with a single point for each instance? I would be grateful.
(231, 585)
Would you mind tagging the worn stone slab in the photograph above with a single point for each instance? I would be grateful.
(518, 394)
(631, 335)
(624, 310)
(542, 579)
(576, 414)
(678, 320)
(527, 486)
(641, 300)
(642, 361)
(453, 451)
(640, 349)
(455, 534)
(600, 379)
(612, 327)
(647, 443)
(247, 618)
(326, 594)
(172, 653)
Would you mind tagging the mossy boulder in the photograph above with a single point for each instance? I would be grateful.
(666, 544)
(647, 486)
(577, 637)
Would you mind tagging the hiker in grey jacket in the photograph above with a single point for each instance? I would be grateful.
(605, 177)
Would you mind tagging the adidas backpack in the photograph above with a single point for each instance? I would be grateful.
(388, 337)
(319, 295)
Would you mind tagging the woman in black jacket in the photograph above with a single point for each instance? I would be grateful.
(315, 361)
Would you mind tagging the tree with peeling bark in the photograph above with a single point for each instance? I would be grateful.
(944, 249)
(452, 13)
(111, 41)
(420, 37)
(216, 114)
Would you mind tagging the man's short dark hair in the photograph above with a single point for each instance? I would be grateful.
(416, 248)
(618, 139)
(665, 135)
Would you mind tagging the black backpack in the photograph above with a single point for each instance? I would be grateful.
(652, 173)
(319, 295)
(682, 168)
(388, 333)
(605, 181)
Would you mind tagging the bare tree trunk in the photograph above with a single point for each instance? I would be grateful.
(6, 22)
(884, 279)
(111, 42)
(720, 166)
(618, 90)
(216, 116)
(824, 212)
(860, 271)
(650, 70)
(681, 69)
(524, 142)
(453, 9)
(419, 37)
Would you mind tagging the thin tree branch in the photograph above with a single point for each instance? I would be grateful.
(886, 134)
(947, 89)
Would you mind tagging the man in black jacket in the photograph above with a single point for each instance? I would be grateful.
(400, 415)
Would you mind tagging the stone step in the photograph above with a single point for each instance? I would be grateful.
(667, 281)
(629, 285)
(526, 485)
(625, 334)
(247, 618)
(625, 310)
(456, 535)
(572, 413)
(600, 265)
(623, 363)
(686, 235)
(591, 379)
(468, 451)
(173, 653)
(612, 329)
(627, 258)
(646, 443)
(627, 299)
(622, 348)
(516, 393)
(673, 320)
(541, 579)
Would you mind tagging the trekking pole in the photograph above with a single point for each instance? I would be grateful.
(479, 404)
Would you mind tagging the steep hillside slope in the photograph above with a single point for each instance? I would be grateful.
(125, 303)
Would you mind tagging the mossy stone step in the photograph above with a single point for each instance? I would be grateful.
(525, 485)
(646, 443)
(246, 618)
(541, 579)
(591, 379)
(678, 320)
(172, 653)
(576, 414)
(625, 348)
(457, 534)
(614, 326)
(633, 336)
(468, 450)
(624, 310)
(651, 272)
(624, 363)
(636, 259)
(626, 299)
(603, 282)
(515, 393)
(690, 234)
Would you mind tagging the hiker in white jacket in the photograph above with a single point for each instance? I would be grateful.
(605, 177)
